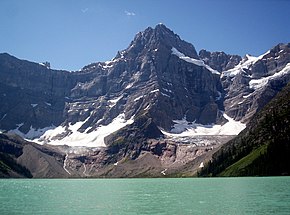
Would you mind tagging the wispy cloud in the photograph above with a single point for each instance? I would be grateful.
(85, 10)
(128, 13)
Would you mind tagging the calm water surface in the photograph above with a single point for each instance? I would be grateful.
(146, 196)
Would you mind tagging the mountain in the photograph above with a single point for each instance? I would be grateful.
(19, 158)
(263, 148)
(158, 76)
(219, 61)
(255, 81)
(157, 100)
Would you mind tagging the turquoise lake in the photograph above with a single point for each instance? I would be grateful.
(269, 195)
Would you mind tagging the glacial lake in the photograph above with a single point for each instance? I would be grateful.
(249, 195)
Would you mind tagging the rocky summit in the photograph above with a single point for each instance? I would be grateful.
(158, 108)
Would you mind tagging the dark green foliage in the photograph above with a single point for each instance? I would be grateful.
(10, 149)
(263, 148)
(10, 145)
(8, 163)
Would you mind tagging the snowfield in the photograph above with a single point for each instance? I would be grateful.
(246, 63)
(192, 60)
(70, 136)
(260, 83)
(76, 138)
(183, 128)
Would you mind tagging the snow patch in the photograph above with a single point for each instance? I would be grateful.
(183, 128)
(246, 63)
(167, 90)
(247, 96)
(113, 102)
(108, 64)
(47, 103)
(129, 86)
(147, 107)
(33, 105)
(154, 91)
(260, 83)
(164, 94)
(138, 98)
(32, 133)
(201, 165)
(35, 133)
(193, 61)
(76, 138)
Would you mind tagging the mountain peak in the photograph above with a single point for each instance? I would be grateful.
(162, 27)
(160, 37)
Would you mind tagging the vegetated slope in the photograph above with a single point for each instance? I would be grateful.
(22, 159)
(263, 148)
(10, 149)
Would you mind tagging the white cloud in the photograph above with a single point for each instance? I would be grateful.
(85, 10)
(128, 13)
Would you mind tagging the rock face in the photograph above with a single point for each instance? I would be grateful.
(129, 105)
(146, 77)
(159, 76)
(33, 96)
(20, 158)
(262, 148)
(255, 81)
(147, 158)
(219, 61)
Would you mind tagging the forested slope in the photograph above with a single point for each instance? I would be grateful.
(263, 148)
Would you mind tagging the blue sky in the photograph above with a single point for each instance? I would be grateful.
(73, 33)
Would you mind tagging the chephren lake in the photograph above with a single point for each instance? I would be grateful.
(248, 195)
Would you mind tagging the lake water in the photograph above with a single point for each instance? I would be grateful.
(146, 196)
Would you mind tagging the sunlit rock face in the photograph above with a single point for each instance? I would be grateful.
(251, 84)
